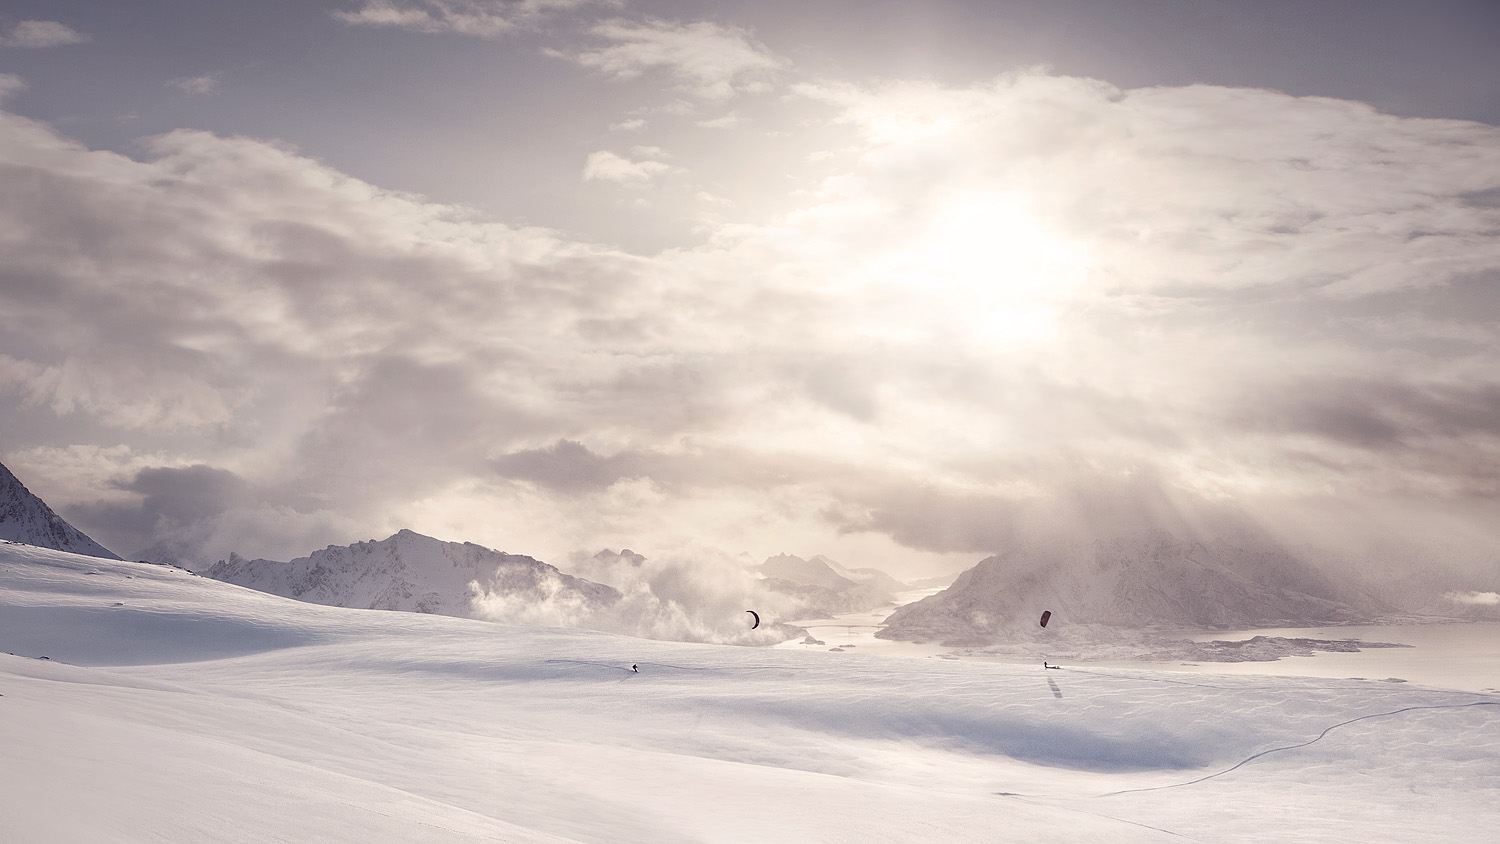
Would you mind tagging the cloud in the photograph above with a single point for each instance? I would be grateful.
(1038, 302)
(9, 84)
(708, 61)
(481, 18)
(196, 86)
(566, 466)
(1482, 599)
(728, 121)
(689, 595)
(606, 166)
(297, 323)
(40, 34)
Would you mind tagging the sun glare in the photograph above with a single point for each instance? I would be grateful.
(987, 267)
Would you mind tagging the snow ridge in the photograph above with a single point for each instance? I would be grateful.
(27, 519)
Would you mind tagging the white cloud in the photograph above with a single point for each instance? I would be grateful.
(606, 166)
(9, 84)
(728, 121)
(196, 86)
(39, 34)
(482, 18)
(1482, 599)
(633, 124)
(708, 61)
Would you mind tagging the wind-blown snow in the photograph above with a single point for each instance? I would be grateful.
(176, 708)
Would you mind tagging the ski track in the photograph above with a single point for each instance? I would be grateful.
(1319, 738)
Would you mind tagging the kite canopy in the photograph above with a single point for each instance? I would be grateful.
(1046, 616)
(756, 616)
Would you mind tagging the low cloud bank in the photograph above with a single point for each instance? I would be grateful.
(1480, 599)
(698, 596)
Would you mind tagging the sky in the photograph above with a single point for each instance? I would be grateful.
(899, 283)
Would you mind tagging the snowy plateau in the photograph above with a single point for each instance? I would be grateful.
(144, 703)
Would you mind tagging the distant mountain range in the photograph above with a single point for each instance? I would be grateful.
(823, 587)
(1151, 581)
(413, 573)
(27, 519)
(1155, 580)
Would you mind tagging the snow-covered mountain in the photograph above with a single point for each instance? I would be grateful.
(824, 587)
(414, 573)
(1152, 581)
(26, 518)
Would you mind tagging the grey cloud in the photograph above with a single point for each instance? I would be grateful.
(848, 386)
(397, 430)
(566, 466)
(170, 502)
(197, 86)
(35, 34)
(482, 18)
(1374, 414)
(572, 468)
(1079, 504)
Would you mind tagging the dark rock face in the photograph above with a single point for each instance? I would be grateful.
(27, 519)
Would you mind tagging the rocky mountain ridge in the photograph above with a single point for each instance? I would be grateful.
(27, 519)
(413, 573)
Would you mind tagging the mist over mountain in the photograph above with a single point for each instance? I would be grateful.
(26, 518)
(1153, 580)
(823, 587)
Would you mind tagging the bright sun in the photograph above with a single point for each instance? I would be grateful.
(986, 266)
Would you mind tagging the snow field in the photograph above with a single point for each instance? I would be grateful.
(175, 708)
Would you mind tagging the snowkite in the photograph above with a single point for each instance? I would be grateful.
(756, 615)
(1046, 617)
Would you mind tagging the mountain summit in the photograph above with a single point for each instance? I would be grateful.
(1151, 581)
(413, 573)
(27, 519)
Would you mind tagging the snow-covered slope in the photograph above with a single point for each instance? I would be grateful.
(179, 709)
(26, 518)
(414, 573)
(1145, 582)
